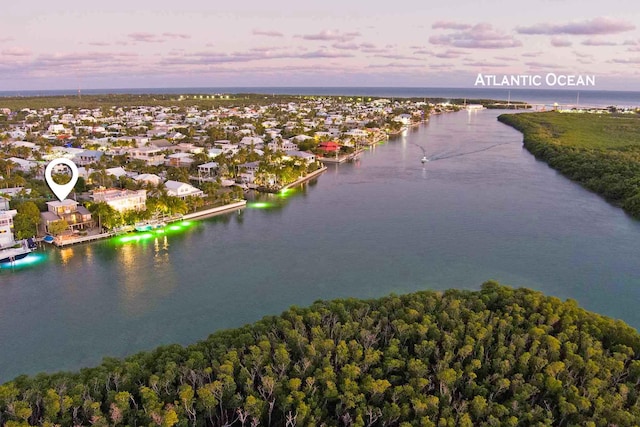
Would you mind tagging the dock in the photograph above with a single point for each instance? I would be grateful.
(219, 210)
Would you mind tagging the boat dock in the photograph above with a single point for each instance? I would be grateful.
(219, 210)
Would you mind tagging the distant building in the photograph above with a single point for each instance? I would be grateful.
(88, 157)
(12, 192)
(182, 189)
(23, 165)
(151, 156)
(179, 160)
(122, 200)
(149, 178)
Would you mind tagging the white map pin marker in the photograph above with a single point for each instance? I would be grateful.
(61, 190)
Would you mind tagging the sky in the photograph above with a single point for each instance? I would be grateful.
(70, 44)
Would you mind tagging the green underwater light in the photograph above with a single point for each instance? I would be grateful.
(154, 234)
(32, 259)
(260, 205)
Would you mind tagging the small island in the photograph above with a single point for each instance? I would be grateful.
(498, 356)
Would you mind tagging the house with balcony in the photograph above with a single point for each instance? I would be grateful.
(151, 156)
(122, 200)
(87, 157)
(78, 217)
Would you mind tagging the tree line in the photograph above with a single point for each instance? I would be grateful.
(606, 168)
(498, 356)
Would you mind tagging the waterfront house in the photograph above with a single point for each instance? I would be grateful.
(307, 157)
(329, 146)
(6, 228)
(78, 217)
(182, 189)
(122, 200)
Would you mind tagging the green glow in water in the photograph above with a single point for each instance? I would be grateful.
(31, 259)
(260, 205)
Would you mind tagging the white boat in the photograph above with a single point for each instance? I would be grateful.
(10, 250)
(424, 159)
(15, 253)
(149, 225)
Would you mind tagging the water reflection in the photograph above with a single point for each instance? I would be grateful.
(65, 255)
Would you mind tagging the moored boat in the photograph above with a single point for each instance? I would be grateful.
(20, 251)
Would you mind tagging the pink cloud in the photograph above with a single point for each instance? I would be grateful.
(267, 33)
(144, 38)
(597, 42)
(176, 36)
(16, 52)
(596, 26)
(560, 42)
(449, 25)
(635, 60)
(398, 57)
(328, 35)
(535, 64)
(450, 54)
(346, 46)
(485, 64)
(480, 36)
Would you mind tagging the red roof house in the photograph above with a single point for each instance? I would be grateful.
(329, 146)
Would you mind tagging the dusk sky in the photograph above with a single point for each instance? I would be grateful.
(72, 44)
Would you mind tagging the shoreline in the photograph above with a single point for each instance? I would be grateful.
(206, 213)
(305, 178)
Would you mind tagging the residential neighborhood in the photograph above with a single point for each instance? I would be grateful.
(140, 163)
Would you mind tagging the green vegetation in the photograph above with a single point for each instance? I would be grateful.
(25, 224)
(498, 356)
(600, 151)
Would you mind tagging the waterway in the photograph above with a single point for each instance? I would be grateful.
(385, 223)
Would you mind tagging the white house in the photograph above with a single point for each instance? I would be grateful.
(6, 227)
(122, 200)
(149, 178)
(284, 145)
(151, 156)
(182, 189)
(23, 165)
(116, 172)
(308, 157)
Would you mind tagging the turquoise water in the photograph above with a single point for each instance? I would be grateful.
(383, 224)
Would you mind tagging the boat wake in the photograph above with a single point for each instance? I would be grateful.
(449, 155)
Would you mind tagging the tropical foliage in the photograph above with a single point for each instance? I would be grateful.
(498, 356)
(601, 152)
